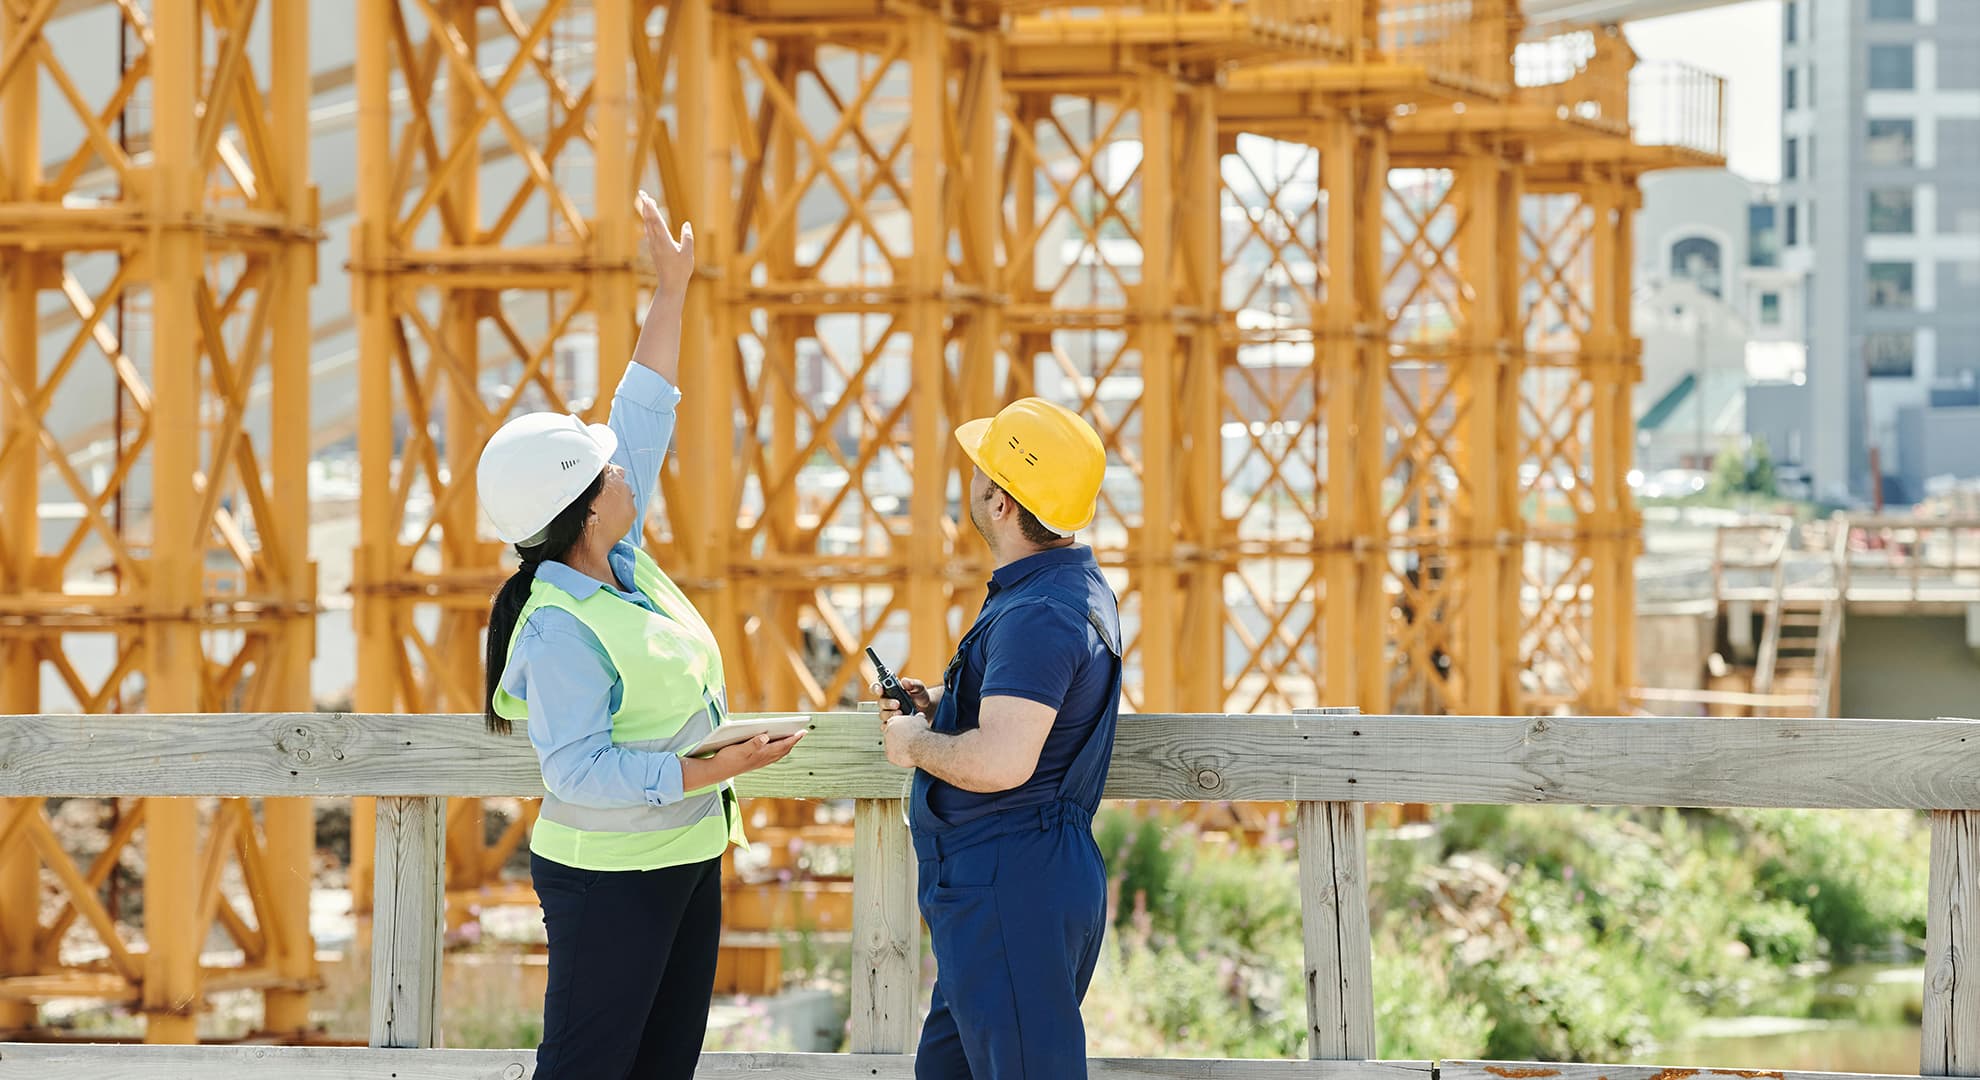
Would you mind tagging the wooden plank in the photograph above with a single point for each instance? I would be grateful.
(1537, 1070)
(405, 929)
(43, 1061)
(1333, 897)
(1950, 1043)
(1333, 900)
(1643, 761)
(886, 931)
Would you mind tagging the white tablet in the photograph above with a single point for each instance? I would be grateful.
(735, 731)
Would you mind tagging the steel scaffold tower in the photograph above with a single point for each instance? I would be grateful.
(850, 322)
(157, 244)
(1112, 262)
(1310, 541)
(1513, 301)
(493, 273)
(853, 291)
(1361, 358)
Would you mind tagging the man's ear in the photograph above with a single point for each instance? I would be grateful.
(1005, 503)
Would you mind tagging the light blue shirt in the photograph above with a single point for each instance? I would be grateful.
(560, 668)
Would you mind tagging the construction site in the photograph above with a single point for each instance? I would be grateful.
(1344, 286)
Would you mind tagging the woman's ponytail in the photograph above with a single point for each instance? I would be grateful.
(502, 617)
(559, 537)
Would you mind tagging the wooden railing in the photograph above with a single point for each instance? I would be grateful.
(1325, 763)
(1927, 553)
(1828, 643)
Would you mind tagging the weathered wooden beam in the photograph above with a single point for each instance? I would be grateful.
(886, 931)
(20, 1061)
(1611, 761)
(1534, 1070)
(405, 929)
(1333, 900)
(1950, 1036)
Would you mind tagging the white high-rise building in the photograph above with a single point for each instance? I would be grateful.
(1880, 215)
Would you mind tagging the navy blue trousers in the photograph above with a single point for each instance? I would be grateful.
(1016, 923)
(632, 966)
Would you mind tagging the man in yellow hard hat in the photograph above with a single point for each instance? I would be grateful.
(1010, 753)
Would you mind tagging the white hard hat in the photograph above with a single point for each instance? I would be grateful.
(535, 466)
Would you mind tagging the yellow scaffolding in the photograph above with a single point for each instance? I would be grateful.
(1342, 283)
(175, 242)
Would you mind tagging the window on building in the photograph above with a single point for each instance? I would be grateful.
(1763, 235)
(1787, 88)
(1770, 309)
(1889, 354)
(1892, 142)
(1790, 11)
(1891, 67)
(1811, 85)
(1697, 259)
(1890, 210)
(1890, 286)
(1791, 236)
(1893, 11)
(1790, 159)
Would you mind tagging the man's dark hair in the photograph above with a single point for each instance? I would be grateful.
(1033, 529)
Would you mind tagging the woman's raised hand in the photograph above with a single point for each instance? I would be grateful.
(673, 259)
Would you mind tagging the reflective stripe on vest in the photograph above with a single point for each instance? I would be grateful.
(636, 819)
(671, 696)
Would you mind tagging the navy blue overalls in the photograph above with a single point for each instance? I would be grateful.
(1016, 900)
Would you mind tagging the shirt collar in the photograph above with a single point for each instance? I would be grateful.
(581, 585)
(1011, 573)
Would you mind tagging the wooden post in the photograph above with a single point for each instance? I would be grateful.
(405, 939)
(1950, 1044)
(1333, 896)
(886, 930)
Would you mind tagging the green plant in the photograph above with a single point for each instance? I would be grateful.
(1744, 470)
(1519, 932)
(1860, 876)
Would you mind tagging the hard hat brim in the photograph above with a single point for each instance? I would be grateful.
(606, 438)
(970, 435)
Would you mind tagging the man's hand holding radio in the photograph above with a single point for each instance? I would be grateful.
(923, 696)
(896, 729)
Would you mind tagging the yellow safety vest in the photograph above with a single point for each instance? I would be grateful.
(671, 697)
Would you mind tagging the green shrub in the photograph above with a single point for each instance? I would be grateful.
(1859, 875)
(1538, 933)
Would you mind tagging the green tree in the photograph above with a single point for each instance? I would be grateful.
(1760, 479)
(1728, 471)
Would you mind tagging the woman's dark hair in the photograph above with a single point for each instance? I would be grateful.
(562, 534)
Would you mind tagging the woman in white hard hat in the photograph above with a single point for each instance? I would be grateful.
(615, 674)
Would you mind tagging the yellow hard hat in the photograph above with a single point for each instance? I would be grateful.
(1045, 456)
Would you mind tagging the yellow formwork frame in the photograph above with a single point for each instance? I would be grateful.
(1322, 388)
(213, 601)
(20, 666)
(445, 287)
(1428, 509)
(871, 302)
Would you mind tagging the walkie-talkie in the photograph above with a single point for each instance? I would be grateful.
(891, 687)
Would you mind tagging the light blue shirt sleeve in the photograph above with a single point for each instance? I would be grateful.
(643, 418)
(561, 671)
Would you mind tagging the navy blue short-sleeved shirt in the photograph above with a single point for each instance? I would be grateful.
(1045, 650)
